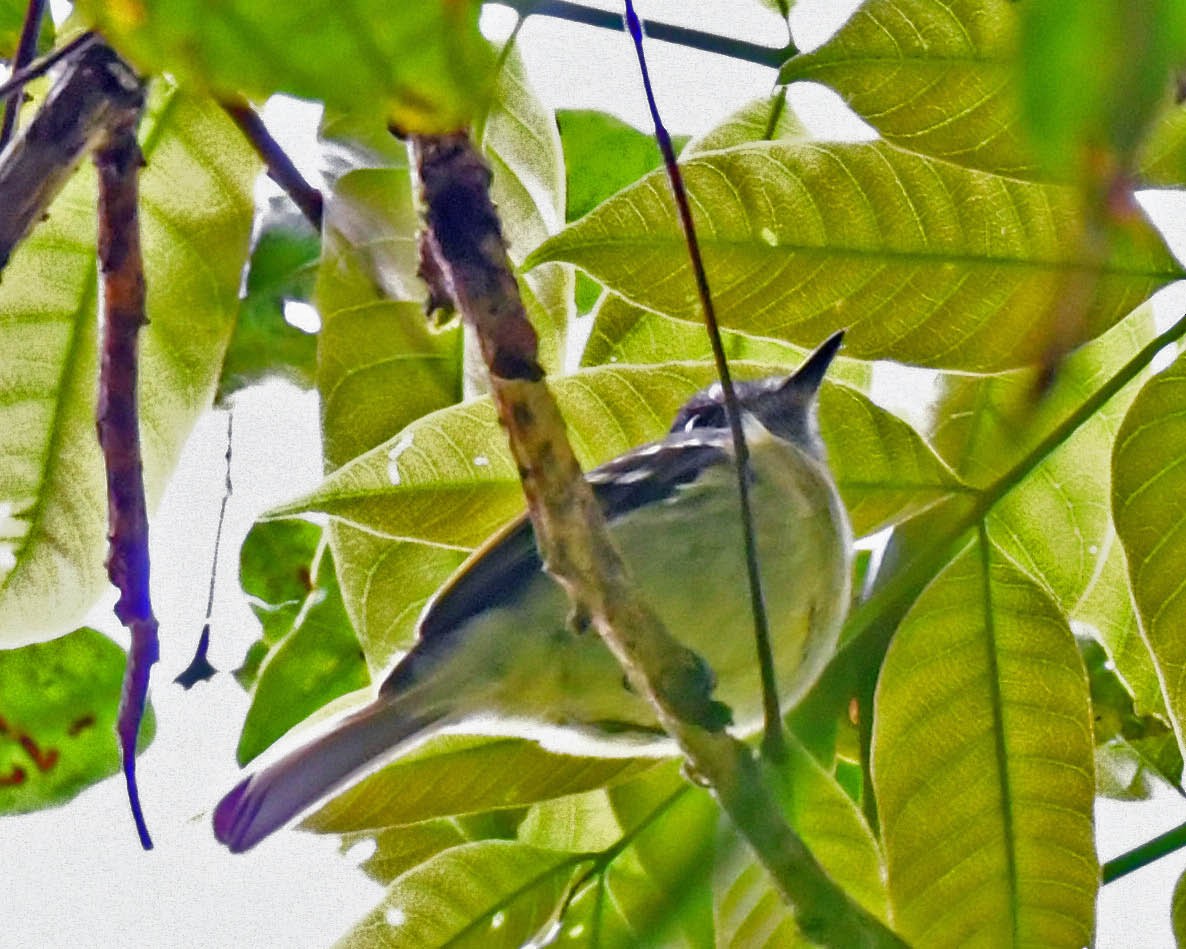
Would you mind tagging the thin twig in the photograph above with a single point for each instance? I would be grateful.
(22, 77)
(26, 47)
(1151, 850)
(773, 742)
(667, 32)
(280, 167)
(200, 669)
(121, 266)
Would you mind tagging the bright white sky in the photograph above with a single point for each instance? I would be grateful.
(75, 876)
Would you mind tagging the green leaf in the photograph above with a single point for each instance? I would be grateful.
(453, 775)
(1122, 55)
(58, 703)
(602, 155)
(489, 894)
(750, 912)
(651, 886)
(935, 77)
(282, 267)
(1178, 911)
(427, 70)
(274, 564)
(769, 119)
(52, 487)
(982, 764)
(316, 661)
(522, 144)
(1146, 497)
(923, 261)
(1162, 159)
(379, 363)
(454, 482)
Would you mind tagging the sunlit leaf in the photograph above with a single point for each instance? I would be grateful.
(58, 705)
(1122, 55)
(602, 154)
(769, 119)
(461, 775)
(1162, 160)
(317, 660)
(923, 261)
(1147, 501)
(52, 488)
(488, 894)
(933, 76)
(282, 268)
(426, 70)
(982, 764)
(1178, 911)
(750, 912)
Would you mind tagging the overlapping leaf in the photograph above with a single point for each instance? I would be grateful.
(426, 70)
(58, 705)
(982, 764)
(52, 492)
(448, 478)
(923, 261)
(314, 660)
(1148, 489)
(488, 894)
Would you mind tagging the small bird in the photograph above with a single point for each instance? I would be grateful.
(497, 650)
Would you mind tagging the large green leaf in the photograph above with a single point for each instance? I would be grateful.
(316, 660)
(934, 76)
(58, 704)
(1162, 160)
(522, 144)
(426, 70)
(602, 154)
(488, 894)
(923, 261)
(1148, 488)
(448, 479)
(196, 213)
(1122, 56)
(769, 119)
(982, 764)
(462, 775)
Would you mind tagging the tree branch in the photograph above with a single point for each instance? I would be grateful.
(118, 160)
(464, 234)
(666, 32)
(91, 96)
(25, 48)
(280, 167)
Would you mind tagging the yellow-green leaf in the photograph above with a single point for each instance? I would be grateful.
(1147, 504)
(921, 260)
(423, 67)
(195, 216)
(982, 763)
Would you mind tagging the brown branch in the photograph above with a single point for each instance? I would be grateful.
(26, 47)
(118, 160)
(90, 96)
(463, 233)
(280, 167)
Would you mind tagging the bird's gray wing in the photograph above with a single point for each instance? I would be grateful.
(496, 571)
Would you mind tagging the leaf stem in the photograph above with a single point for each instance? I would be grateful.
(279, 166)
(25, 49)
(666, 32)
(1150, 851)
(20, 77)
(773, 742)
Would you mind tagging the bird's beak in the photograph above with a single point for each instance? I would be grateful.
(809, 376)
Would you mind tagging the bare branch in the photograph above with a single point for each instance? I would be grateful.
(25, 48)
(118, 160)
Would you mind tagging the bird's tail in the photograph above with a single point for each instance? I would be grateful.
(269, 799)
